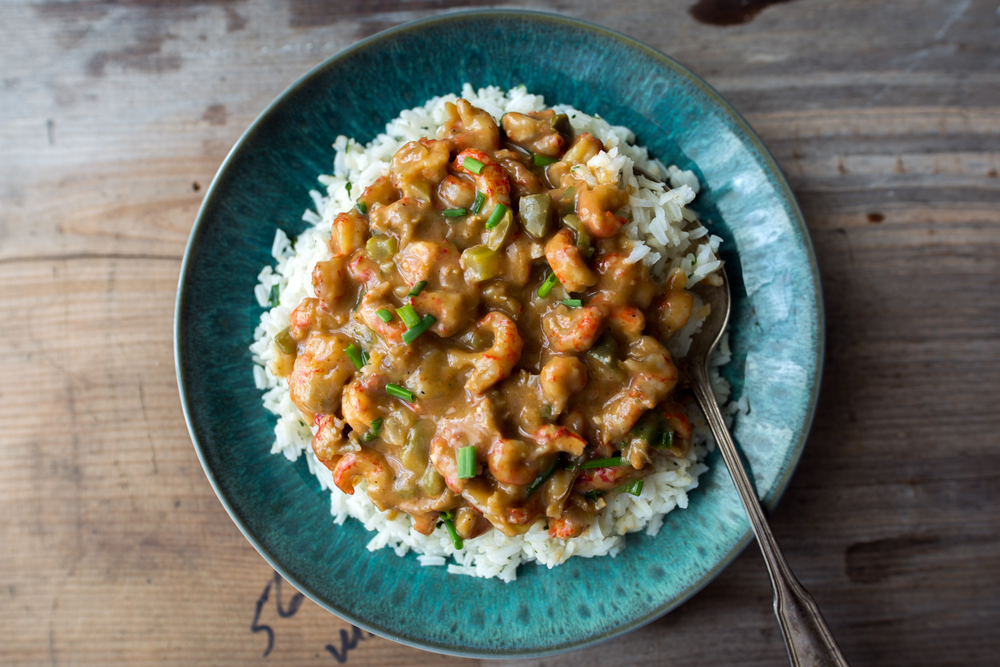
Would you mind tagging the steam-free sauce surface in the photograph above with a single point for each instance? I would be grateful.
(480, 350)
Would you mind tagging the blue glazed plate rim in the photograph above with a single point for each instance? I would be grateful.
(780, 182)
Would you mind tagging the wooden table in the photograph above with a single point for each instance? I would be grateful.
(115, 116)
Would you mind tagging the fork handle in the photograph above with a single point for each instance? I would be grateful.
(807, 637)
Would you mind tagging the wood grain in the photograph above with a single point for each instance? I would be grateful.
(113, 119)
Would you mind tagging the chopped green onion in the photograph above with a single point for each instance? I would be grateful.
(634, 487)
(273, 299)
(348, 188)
(364, 357)
(376, 427)
(572, 462)
(384, 315)
(362, 208)
(400, 392)
(645, 429)
(541, 479)
(417, 289)
(411, 334)
(448, 518)
(453, 212)
(572, 303)
(665, 440)
(477, 206)
(408, 315)
(501, 232)
(467, 462)
(593, 495)
(496, 216)
(613, 462)
(547, 286)
(543, 160)
(355, 355)
(286, 341)
(473, 165)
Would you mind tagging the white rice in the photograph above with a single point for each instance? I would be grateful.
(658, 215)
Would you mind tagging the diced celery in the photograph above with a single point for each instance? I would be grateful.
(418, 440)
(381, 248)
(500, 234)
(582, 235)
(535, 212)
(286, 342)
(432, 483)
(606, 352)
(560, 123)
(482, 262)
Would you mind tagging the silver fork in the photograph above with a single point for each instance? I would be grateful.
(807, 637)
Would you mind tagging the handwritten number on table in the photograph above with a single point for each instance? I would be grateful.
(293, 606)
(348, 640)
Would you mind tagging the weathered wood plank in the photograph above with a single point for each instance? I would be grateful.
(114, 117)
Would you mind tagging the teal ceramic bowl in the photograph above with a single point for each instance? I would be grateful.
(777, 330)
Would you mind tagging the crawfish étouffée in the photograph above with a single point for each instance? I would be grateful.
(479, 350)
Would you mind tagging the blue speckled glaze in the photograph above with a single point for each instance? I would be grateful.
(777, 330)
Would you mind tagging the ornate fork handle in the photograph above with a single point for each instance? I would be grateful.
(807, 637)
